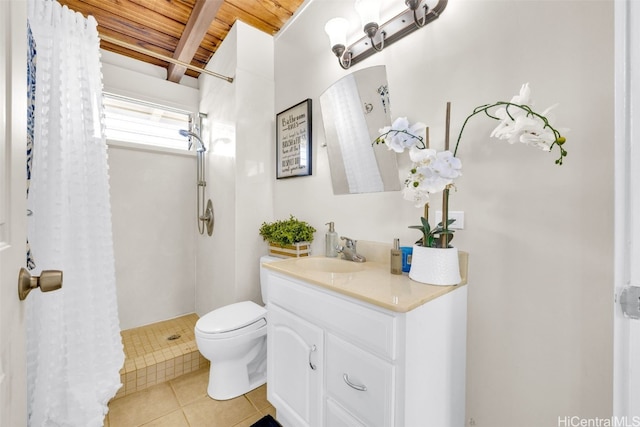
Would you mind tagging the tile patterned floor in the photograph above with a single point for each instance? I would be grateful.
(183, 402)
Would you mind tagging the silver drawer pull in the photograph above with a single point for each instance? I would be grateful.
(312, 349)
(358, 387)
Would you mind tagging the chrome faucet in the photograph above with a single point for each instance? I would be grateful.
(349, 252)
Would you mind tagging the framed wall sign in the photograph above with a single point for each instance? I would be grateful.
(293, 141)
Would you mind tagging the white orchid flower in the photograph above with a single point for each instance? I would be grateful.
(432, 182)
(525, 124)
(428, 180)
(416, 196)
(524, 97)
(543, 139)
(447, 166)
(504, 130)
(401, 135)
(422, 157)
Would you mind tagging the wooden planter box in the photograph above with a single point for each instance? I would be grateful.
(297, 250)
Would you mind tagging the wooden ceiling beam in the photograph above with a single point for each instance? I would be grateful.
(204, 11)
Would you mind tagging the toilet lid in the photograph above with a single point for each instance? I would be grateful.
(231, 317)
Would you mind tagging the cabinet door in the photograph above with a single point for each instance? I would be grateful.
(295, 368)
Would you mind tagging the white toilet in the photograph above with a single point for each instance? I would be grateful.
(234, 339)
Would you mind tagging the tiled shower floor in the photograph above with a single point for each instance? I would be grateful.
(158, 353)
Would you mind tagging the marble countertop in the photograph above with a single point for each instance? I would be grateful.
(373, 283)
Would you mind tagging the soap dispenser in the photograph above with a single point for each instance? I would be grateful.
(331, 242)
(396, 258)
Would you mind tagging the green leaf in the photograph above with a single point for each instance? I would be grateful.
(449, 222)
(425, 224)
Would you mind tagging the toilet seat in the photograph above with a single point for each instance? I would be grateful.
(232, 320)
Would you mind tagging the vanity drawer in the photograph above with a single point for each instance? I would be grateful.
(368, 327)
(337, 416)
(362, 383)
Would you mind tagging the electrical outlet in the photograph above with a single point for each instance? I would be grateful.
(458, 224)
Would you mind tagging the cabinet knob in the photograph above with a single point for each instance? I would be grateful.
(312, 350)
(355, 386)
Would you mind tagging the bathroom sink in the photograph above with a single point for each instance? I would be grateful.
(329, 265)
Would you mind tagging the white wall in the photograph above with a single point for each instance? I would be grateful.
(238, 131)
(153, 204)
(540, 236)
(153, 199)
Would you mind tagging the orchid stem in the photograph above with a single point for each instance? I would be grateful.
(485, 109)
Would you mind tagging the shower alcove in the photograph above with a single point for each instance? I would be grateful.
(159, 352)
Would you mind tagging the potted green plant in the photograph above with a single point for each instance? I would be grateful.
(289, 238)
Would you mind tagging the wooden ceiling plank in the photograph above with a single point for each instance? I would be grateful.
(176, 10)
(229, 13)
(128, 11)
(219, 28)
(163, 50)
(117, 26)
(211, 41)
(199, 22)
(289, 5)
(201, 56)
(265, 10)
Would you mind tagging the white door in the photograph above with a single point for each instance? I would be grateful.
(13, 129)
(295, 366)
(627, 218)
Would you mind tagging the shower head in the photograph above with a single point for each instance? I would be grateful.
(190, 135)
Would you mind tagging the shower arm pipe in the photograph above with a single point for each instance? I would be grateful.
(163, 57)
(189, 134)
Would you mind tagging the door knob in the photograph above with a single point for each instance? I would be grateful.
(49, 280)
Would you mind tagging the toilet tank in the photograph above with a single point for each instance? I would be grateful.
(263, 274)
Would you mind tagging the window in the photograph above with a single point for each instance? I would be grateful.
(142, 122)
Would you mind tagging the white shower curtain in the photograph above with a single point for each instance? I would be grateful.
(74, 348)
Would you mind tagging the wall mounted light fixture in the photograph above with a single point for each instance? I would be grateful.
(417, 15)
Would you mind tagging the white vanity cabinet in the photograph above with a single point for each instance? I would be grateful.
(335, 360)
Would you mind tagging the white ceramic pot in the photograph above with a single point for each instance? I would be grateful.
(435, 266)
